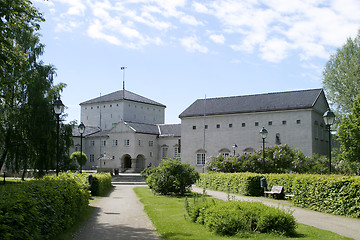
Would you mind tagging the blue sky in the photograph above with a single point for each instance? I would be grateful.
(177, 51)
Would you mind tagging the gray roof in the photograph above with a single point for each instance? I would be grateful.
(167, 130)
(302, 99)
(122, 95)
(144, 128)
(88, 131)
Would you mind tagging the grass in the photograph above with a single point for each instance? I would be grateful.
(169, 217)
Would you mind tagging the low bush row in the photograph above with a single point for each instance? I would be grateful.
(230, 218)
(100, 184)
(41, 209)
(334, 194)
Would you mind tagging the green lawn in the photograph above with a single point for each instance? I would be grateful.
(168, 216)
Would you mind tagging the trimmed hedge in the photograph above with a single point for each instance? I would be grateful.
(334, 194)
(247, 184)
(101, 184)
(230, 218)
(41, 209)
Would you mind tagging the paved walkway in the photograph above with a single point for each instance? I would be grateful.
(348, 227)
(118, 216)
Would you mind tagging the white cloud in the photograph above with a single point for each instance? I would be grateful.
(191, 44)
(217, 38)
(275, 50)
(191, 20)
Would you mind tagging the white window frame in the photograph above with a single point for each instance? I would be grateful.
(164, 152)
(151, 143)
(176, 152)
(115, 142)
(126, 142)
(200, 158)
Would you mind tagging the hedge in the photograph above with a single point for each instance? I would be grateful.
(41, 209)
(334, 194)
(229, 218)
(101, 184)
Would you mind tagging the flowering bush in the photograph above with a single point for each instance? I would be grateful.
(278, 159)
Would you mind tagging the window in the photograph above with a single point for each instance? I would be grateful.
(164, 152)
(298, 121)
(103, 143)
(270, 123)
(176, 152)
(284, 122)
(151, 154)
(256, 124)
(200, 158)
(243, 125)
(110, 105)
(226, 154)
(151, 143)
(206, 126)
(140, 143)
(113, 158)
(217, 125)
(76, 149)
(115, 142)
(316, 130)
(92, 143)
(92, 158)
(126, 142)
(230, 125)
(194, 127)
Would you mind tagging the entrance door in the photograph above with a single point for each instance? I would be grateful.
(127, 162)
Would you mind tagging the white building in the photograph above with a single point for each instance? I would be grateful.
(126, 131)
(210, 127)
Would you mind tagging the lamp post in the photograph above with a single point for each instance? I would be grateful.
(81, 129)
(58, 109)
(329, 118)
(234, 147)
(263, 134)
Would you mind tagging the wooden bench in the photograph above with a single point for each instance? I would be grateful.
(276, 191)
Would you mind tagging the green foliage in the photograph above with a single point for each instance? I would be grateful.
(230, 218)
(79, 158)
(334, 194)
(171, 176)
(147, 171)
(43, 208)
(349, 136)
(101, 184)
(278, 159)
(342, 76)
(27, 92)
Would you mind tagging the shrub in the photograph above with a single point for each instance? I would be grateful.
(230, 218)
(101, 184)
(171, 176)
(43, 208)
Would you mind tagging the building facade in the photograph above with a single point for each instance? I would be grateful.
(126, 132)
(210, 127)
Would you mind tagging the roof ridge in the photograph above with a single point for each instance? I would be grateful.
(262, 94)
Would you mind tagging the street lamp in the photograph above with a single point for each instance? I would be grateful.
(329, 118)
(234, 147)
(263, 134)
(81, 129)
(58, 109)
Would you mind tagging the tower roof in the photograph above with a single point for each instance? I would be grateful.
(122, 95)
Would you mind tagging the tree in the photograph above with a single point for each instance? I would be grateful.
(341, 77)
(79, 157)
(27, 120)
(349, 136)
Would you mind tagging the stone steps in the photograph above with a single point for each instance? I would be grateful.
(128, 179)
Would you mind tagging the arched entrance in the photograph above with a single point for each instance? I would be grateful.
(140, 163)
(126, 162)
